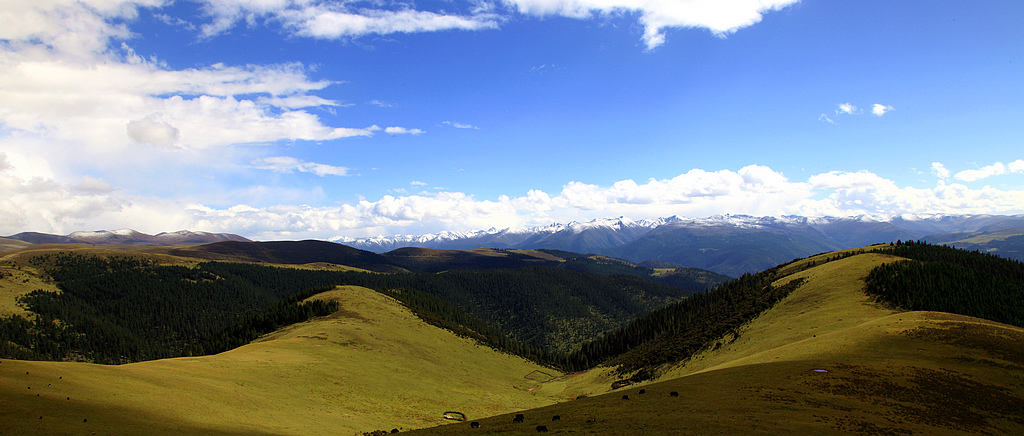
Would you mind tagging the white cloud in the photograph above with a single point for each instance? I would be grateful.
(417, 183)
(285, 164)
(721, 17)
(402, 131)
(77, 98)
(880, 109)
(846, 108)
(825, 118)
(151, 130)
(940, 170)
(1016, 166)
(995, 169)
(755, 190)
(333, 22)
(44, 204)
(459, 125)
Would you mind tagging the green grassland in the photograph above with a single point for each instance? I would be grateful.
(371, 365)
(826, 359)
(884, 372)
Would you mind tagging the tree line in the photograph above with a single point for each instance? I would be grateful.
(945, 279)
(684, 328)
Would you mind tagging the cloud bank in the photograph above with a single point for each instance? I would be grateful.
(44, 204)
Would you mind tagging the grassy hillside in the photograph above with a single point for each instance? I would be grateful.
(7, 244)
(372, 365)
(826, 359)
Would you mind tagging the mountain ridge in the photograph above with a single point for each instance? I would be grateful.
(128, 237)
(911, 225)
(727, 244)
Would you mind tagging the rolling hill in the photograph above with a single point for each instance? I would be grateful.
(827, 358)
(371, 365)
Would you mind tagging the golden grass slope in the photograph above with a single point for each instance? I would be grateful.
(825, 360)
(372, 365)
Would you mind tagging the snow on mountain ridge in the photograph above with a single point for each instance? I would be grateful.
(557, 235)
(572, 227)
(102, 233)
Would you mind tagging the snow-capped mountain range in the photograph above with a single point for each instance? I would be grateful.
(727, 244)
(561, 236)
(611, 231)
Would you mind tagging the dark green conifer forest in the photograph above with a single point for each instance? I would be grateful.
(945, 279)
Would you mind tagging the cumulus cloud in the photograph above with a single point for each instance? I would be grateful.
(45, 204)
(68, 75)
(940, 170)
(995, 169)
(721, 17)
(755, 190)
(846, 108)
(32, 200)
(75, 96)
(880, 109)
(152, 131)
(285, 164)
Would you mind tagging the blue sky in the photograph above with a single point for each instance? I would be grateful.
(287, 119)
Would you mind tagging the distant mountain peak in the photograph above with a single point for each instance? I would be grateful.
(129, 237)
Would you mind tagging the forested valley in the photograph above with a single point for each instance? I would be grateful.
(123, 309)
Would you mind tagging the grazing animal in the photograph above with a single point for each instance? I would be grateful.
(394, 430)
(642, 391)
(674, 393)
(474, 424)
(542, 429)
(625, 397)
(518, 418)
(556, 417)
